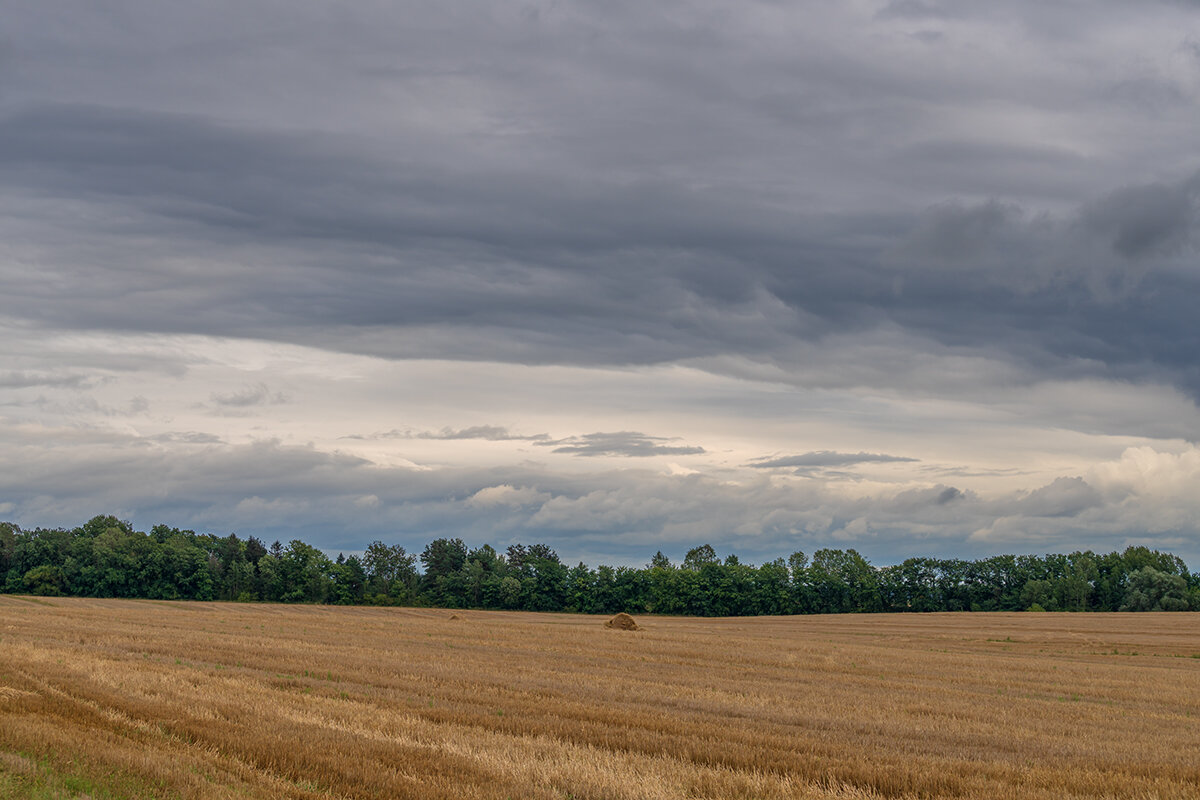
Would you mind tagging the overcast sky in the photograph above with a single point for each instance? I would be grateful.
(913, 277)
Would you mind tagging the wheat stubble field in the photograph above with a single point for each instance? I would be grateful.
(113, 698)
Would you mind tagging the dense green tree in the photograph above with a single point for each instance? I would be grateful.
(349, 581)
(103, 523)
(998, 583)
(912, 585)
(772, 593)
(548, 590)
(666, 587)
(802, 595)
(1152, 590)
(239, 581)
(844, 581)
(716, 590)
(269, 583)
(106, 557)
(184, 571)
(509, 592)
(445, 581)
(606, 599)
(631, 590)
(8, 547)
(697, 557)
(581, 589)
(1039, 593)
(1074, 588)
(391, 574)
(255, 550)
(304, 574)
(442, 557)
(46, 579)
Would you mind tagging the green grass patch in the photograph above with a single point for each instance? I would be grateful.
(23, 777)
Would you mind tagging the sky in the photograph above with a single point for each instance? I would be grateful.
(914, 277)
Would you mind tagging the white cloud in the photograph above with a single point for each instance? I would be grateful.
(507, 496)
(1152, 474)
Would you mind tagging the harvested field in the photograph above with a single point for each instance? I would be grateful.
(110, 698)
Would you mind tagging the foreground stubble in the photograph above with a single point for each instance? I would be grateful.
(212, 700)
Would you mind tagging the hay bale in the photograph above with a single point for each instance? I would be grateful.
(622, 622)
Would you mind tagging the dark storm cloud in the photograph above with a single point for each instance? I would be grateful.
(647, 207)
(620, 443)
(520, 267)
(952, 233)
(828, 458)
(410, 244)
(1150, 220)
(1100, 291)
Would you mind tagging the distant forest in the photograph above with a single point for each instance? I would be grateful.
(106, 557)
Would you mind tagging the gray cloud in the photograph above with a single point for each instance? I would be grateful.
(919, 9)
(75, 404)
(186, 437)
(487, 433)
(730, 275)
(341, 501)
(828, 458)
(490, 433)
(620, 443)
(1062, 498)
(257, 395)
(1148, 220)
(491, 236)
(832, 199)
(952, 233)
(949, 495)
(27, 380)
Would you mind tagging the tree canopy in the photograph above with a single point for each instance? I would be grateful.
(106, 557)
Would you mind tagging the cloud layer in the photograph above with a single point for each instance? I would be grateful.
(938, 259)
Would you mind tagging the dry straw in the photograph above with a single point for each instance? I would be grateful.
(211, 700)
(622, 622)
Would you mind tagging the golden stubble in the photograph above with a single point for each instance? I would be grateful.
(215, 700)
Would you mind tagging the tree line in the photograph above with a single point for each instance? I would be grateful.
(106, 557)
